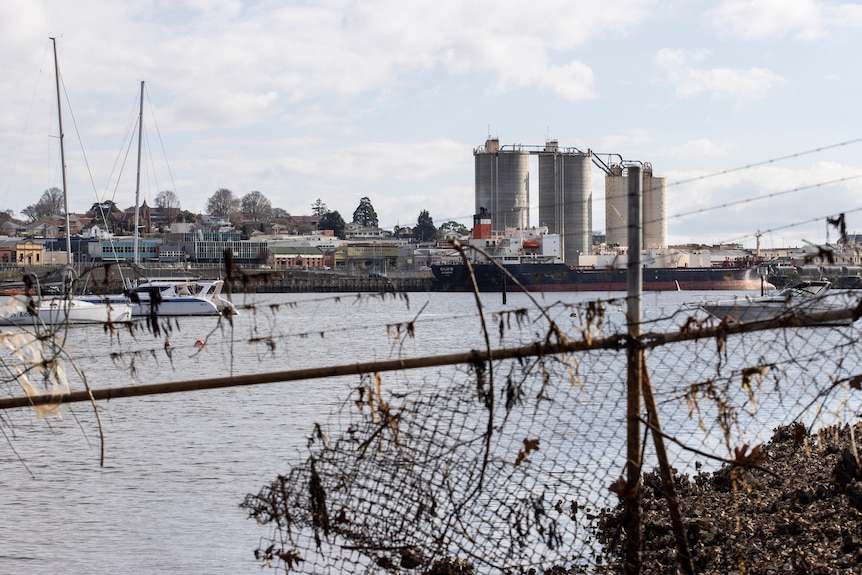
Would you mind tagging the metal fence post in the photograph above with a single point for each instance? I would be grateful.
(632, 520)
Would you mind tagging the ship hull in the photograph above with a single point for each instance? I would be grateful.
(561, 277)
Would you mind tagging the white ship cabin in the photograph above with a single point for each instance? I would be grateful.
(534, 245)
(606, 257)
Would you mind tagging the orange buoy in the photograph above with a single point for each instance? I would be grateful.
(199, 343)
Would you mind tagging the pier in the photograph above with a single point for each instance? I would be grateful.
(109, 279)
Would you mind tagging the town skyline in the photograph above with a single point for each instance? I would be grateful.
(334, 101)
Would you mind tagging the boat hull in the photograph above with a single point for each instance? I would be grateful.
(751, 312)
(172, 302)
(808, 302)
(61, 311)
(168, 307)
(561, 277)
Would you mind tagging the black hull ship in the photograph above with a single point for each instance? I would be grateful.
(549, 277)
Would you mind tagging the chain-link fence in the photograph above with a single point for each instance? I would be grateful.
(559, 445)
(515, 459)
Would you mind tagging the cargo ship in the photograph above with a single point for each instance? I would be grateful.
(548, 277)
(532, 257)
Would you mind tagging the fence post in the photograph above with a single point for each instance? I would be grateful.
(666, 471)
(632, 517)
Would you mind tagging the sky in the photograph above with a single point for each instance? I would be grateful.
(749, 108)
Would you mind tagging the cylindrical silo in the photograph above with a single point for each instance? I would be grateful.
(616, 206)
(654, 209)
(550, 203)
(503, 185)
(565, 199)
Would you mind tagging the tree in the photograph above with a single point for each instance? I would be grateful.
(319, 209)
(453, 227)
(105, 207)
(30, 213)
(222, 203)
(187, 217)
(364, 215)
(7, 216)
(333, 221)
(168, 204)
(425, 230)
(52, 203)
(256, 207)
(280, 214)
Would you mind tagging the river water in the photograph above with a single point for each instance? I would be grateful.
(177, 466)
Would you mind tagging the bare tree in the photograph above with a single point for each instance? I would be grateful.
(30, 213)
(50, 204)
(222, 203)
(256, 207)
(168, 204)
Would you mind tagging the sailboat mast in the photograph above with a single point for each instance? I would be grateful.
(138, 184)
(62, 155)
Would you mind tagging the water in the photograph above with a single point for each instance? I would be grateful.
(178, 466)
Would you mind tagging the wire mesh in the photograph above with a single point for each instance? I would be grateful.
(508, 464)
(508, 461)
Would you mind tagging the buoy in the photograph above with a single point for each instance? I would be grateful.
(199, 343)
(167, 344)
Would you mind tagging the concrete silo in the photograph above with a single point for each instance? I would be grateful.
(654, 209)
(565, 198)
(503, 185)
(616, 206)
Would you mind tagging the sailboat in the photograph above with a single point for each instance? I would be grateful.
(178, 296)
(65, 309)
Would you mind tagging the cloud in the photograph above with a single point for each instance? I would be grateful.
(293, 172)
(769, 18)
(626, 141)
(347, 49)
(720, 83)
(573, 81)
(697, 149)
(732, 207)
(804, 19)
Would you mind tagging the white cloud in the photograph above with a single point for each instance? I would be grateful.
(751, 84)
(349, 49)
(573, 81)
(293, 172)
(626, 141)
(803, 19)
(720, 83)
(697, 149)
(733, 206)
(769, 18)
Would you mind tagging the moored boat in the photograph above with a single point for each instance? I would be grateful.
(174, 297)
(58, 311)
(804, 300)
